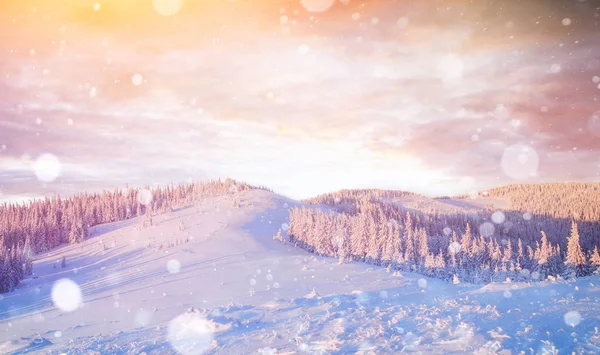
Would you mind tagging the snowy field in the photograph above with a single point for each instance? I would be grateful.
(209, 278)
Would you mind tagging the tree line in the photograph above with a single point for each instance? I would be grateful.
(43, 224)
(568, 200)
(467, 247)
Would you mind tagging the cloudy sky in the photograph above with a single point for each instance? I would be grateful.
(437, 97)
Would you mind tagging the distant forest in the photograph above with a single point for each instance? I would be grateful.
(43, 224)
(549, 230)
(569, 200)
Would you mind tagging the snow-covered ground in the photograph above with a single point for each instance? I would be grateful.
(225, 287)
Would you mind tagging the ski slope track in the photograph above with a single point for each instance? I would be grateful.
(209, 279)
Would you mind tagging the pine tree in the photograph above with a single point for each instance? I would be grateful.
(507, 256)
(75, 234)
(16, 265)
(575, 259)
(440, 265)
(545, 250)
(409, 249)
(423, 247)
(359, 237)
(147, 219)
(85, 232)
(465, 241)
(455, 279)
(2, 276)
(6, 276)
(278, 236)
(388, 248)
(428, 265)
(465, 247)
(374, 245)
(530, 254)
(27, 257)
(595, 258)
(341, 241)
(398, 256)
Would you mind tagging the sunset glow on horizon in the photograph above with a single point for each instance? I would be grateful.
(304, 96)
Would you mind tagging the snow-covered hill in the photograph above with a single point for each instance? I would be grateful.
(209, 278)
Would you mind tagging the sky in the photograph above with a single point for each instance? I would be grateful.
(305, 97)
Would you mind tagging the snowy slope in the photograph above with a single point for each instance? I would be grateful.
(231, 289)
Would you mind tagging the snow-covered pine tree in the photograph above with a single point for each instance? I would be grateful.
(147, 219)
(27, 257)
(520, 255)
(440, 266)
(455, 279)
(429, 265)
(358, 242)
(507, 255)
(388, 248)
(423, 247)
(75, 234)
(543, 253)
(373, 244)
(398, 256)
(575, 259)
(465, 247)
(545, 250)
(6, 276)
(278, 236)
(595, 258)
(16, 265)
(409, 242)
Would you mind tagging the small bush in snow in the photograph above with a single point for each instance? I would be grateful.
(279, 236)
